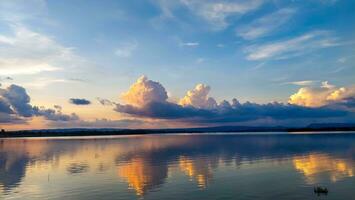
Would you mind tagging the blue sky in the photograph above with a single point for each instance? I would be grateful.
(259, 51)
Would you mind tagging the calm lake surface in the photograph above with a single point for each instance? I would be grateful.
(180, 166)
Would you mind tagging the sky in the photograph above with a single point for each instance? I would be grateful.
(182, 63)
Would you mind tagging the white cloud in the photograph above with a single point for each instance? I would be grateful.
(190, 44)
(14, 66)
(320, 96)
(126, 49)
(198, 97)
(217, 12)
(342, 60)
(200, 60)
(145, 91)
(266, 24)
(18, 10)
(43, 82)
(292, 47)
(214, 12)
(28, 52)
(302, 83)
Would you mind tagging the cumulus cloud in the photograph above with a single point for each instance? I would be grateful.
(198, 107)
(198, 98)
(144, 91)
(15, 107)
(19, 100)
(76, 101)
(321, 96)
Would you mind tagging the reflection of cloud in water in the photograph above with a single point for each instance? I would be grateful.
(144, 161)
(198, 169)
(12, 171)
(315, 165)
(142, 175)
(77, 168)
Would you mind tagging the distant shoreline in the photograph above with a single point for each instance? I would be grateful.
(116, 132)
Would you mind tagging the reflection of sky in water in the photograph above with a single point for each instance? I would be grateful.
(153, 165)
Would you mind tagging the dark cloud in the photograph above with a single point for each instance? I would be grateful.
(5, 107)
(15, 107)
(199, 108)
(105, 102)
(76, 101)
(19, 100)
(226, 112)
(54, 115)
(344, 103)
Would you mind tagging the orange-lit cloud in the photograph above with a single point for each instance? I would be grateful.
(198, 97)
(145, 91)
(148, 99)
(326, 94)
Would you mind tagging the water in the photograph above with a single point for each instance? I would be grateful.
(186, 166)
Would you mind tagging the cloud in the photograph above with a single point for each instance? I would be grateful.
(266, 24)
(198, 98)
(42, 82)
(15, 105)
(76, 101)
(26, 52)
(302, 83)
(19, 100)
(144, 91)
(198, 108)
(292, 47)
(190, 44)
(215, 13)
(126, 49)
(105, 102)
(15, 11)
(321, 96)
(55, 115)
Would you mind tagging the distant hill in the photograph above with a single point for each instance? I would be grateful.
(113, 131)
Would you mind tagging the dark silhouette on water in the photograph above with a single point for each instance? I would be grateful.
(320, 190)
(220, 129)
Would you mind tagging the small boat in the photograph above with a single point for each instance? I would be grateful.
(320, 190)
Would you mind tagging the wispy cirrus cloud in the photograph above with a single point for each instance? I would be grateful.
(296, 46)
(189, 44)
(302, 83)
(26, 52)
(214, 12)
(265, 25)
(126, 49)
(19, 10)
